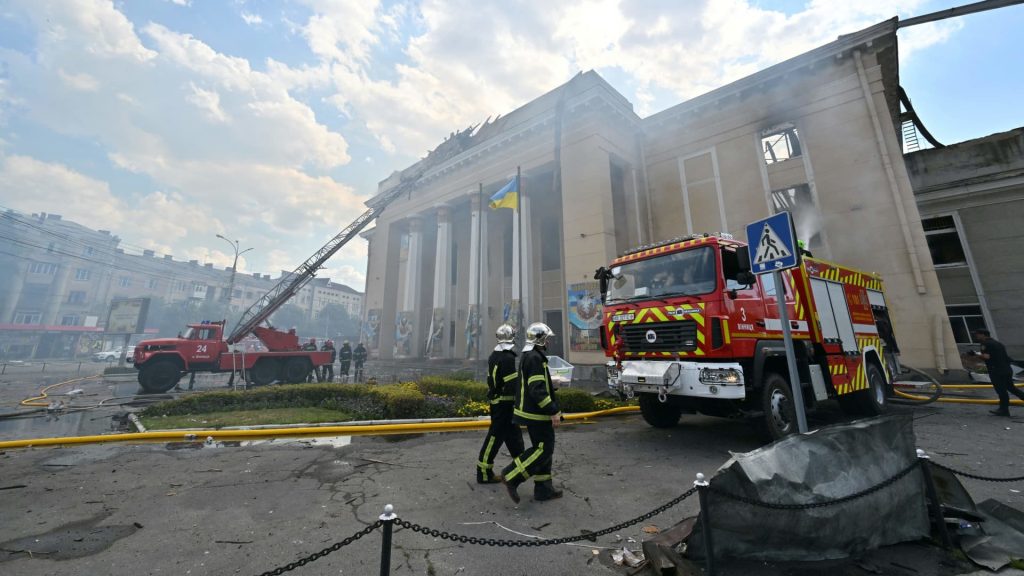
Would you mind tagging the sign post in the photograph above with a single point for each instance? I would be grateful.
(127, 317)
(773, 248)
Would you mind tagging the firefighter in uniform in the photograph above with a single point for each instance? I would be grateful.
(310, 346)
(358, 357)
(327, 370)
(536, 406)
(502, 378)
(345, 357)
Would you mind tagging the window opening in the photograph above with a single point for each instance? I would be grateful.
(780, 143)
(944, 241)
(964, 320)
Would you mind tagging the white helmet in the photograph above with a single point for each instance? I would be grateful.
(506, 334)
(538, 333)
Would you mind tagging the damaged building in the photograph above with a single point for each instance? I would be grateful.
(818, 135)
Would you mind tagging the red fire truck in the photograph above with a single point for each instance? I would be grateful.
(690, 329)
(203, 348)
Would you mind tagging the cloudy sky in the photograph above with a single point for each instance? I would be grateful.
(170, 121)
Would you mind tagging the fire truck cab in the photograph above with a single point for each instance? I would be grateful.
(690, 329)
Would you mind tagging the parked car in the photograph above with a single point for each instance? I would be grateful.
(114, 354)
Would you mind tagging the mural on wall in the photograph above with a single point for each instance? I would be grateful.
(403, 334)
(371, 329)
(584, 317)
(473, 331)
(510, 314)
(436, 335)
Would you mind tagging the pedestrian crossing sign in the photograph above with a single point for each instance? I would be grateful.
(772, 244)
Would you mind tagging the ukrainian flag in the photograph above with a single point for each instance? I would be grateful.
(508, 196)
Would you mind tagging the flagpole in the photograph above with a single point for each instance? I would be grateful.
(479, 269)
(519, 217)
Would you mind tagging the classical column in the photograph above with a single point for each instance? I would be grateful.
(406, 343)
(473, 325)
(527, 262)
(437, 336)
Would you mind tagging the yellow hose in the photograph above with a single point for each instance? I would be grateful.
(382, 429)
(955, 400)
(42, 393)
(975, 386)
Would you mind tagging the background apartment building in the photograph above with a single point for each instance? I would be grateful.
(57, 279)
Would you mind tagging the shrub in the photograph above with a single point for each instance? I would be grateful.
(462, 375)
(401, 401)
(446, 386)
(575, 400)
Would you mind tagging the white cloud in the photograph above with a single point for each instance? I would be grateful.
(252, 19)
(28, 185)
(916, 38)
(208, 101)
(81, 82)
(464, 49)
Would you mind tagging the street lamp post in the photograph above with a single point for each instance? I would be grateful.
(234, 269)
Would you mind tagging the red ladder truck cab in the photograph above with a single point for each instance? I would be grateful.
(690, 329)
(162, 362)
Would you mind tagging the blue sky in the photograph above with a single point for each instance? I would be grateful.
(170, 121)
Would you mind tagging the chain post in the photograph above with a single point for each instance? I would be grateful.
(933, 499)
(387, 522)
(705, 523)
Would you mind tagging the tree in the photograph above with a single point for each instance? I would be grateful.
(335, 322)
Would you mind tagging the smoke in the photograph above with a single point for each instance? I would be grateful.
(808, 224)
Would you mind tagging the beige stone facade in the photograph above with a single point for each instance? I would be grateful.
(815, 134)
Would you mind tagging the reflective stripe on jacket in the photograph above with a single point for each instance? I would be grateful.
(535, 398)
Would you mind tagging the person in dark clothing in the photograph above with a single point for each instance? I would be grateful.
(345, 358)
(358, 357)
(502, 378)
(1000, 371)
(327, 370)
(535, 405)
(310, 346)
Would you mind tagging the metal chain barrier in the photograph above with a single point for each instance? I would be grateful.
(547, 541)
(975, 476)
(854, 496)
(318, 555)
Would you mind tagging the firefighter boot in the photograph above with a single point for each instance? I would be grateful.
(545, 491)
(487, 477)
(513, 493)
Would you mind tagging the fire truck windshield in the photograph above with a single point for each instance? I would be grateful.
(690, 272)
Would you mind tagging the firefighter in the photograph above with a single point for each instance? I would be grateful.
(1000, 370)
(345, 358)
(536, 406)
(310, 346)
(358, 357)
(327, 370)
(502, 378)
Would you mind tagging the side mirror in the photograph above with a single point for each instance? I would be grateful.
(743, 259)
(746, 277)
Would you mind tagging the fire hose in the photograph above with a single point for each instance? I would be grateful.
(934, 392)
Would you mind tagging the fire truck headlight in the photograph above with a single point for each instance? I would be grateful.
(721, 376)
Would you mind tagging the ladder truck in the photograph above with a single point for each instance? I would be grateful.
(162, 362)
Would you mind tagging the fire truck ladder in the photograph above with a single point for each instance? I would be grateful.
(290, 284)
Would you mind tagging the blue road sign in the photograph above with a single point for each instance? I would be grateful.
(772, 244)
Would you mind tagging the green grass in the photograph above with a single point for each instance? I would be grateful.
(246, 418)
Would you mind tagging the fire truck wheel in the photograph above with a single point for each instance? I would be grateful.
(296, 370)
(871, 401)
(659, 414)
(264, 372)
(777, 403)
(159, 376)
